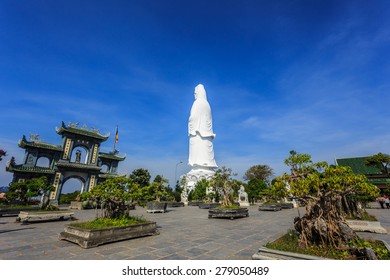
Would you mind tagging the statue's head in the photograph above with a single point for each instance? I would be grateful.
(200, 92)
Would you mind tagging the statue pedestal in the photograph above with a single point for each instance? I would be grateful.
(192, 177)
(244, 204)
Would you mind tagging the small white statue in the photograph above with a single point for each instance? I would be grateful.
(243, 197)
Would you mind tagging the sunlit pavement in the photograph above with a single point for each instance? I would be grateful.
(185, 233)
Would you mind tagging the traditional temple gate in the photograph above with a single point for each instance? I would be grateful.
(78, 156)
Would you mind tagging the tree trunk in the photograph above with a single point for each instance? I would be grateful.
(324, 223)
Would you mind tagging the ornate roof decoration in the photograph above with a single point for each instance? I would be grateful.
(23, 143)
(11, 167)
(74, 128)
(113, 156)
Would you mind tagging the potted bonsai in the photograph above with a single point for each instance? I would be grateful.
(221, 184)
(330, 193)
(26, 192)
(113, 221)
(154, 194)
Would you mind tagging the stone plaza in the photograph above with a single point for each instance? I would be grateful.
(186, 233)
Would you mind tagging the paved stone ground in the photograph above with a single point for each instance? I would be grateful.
(185, 233)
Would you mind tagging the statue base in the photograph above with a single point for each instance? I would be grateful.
(196, 174)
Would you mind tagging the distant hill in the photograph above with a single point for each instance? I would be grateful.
(3, 189)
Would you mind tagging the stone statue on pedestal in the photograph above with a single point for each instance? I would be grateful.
(200, 132)
(243, 197)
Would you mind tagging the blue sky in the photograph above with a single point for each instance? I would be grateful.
(280, 75)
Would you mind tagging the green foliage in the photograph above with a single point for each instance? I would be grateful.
(256, 189)
(200, 190)
(329, 193)
(176, 193)
(115, 196)
(379, 248)
(141, 177)
(24, 191)
(157, 190)
(382, 161)
(221, 184)
(105, 223)
(290, 243)
(66, 198)
(310, 179)
(260, 172)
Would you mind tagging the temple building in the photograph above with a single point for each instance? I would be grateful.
(374, 174)
(78, 157)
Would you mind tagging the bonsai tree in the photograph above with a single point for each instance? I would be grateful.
(24, 191)
(141, 177)
(158, 189)
(221, 183)
(115, 196)
(329, 193)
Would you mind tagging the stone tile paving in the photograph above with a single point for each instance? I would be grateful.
(185, 233)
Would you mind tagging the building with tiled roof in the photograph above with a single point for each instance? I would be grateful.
(373, 173)
(78, 156)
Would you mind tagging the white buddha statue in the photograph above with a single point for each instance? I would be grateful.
(201, 136)
(200, 131)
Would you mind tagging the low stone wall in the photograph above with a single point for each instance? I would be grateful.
(369, 226)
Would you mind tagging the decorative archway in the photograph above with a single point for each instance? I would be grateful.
(43, 161)
(72, 184)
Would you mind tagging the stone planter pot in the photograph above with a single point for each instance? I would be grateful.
(175, 204)
(369, 226)
(14, 211)
(193, 203)
(286, 205)
(92, 238)
(270, 254)
(228, 213)
(270, 207)
(156, 207)
(43, 216)
(208, 205)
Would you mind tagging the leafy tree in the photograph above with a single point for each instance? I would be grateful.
(176, 193)
(221, 183)
(24, 191)
(261, 172)
(115, 195)
(382, 161)
(158, 188)
(200, 191)
(66, 198)
(256, 188)
(329, 193)
(141, 177)
(235, 185)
